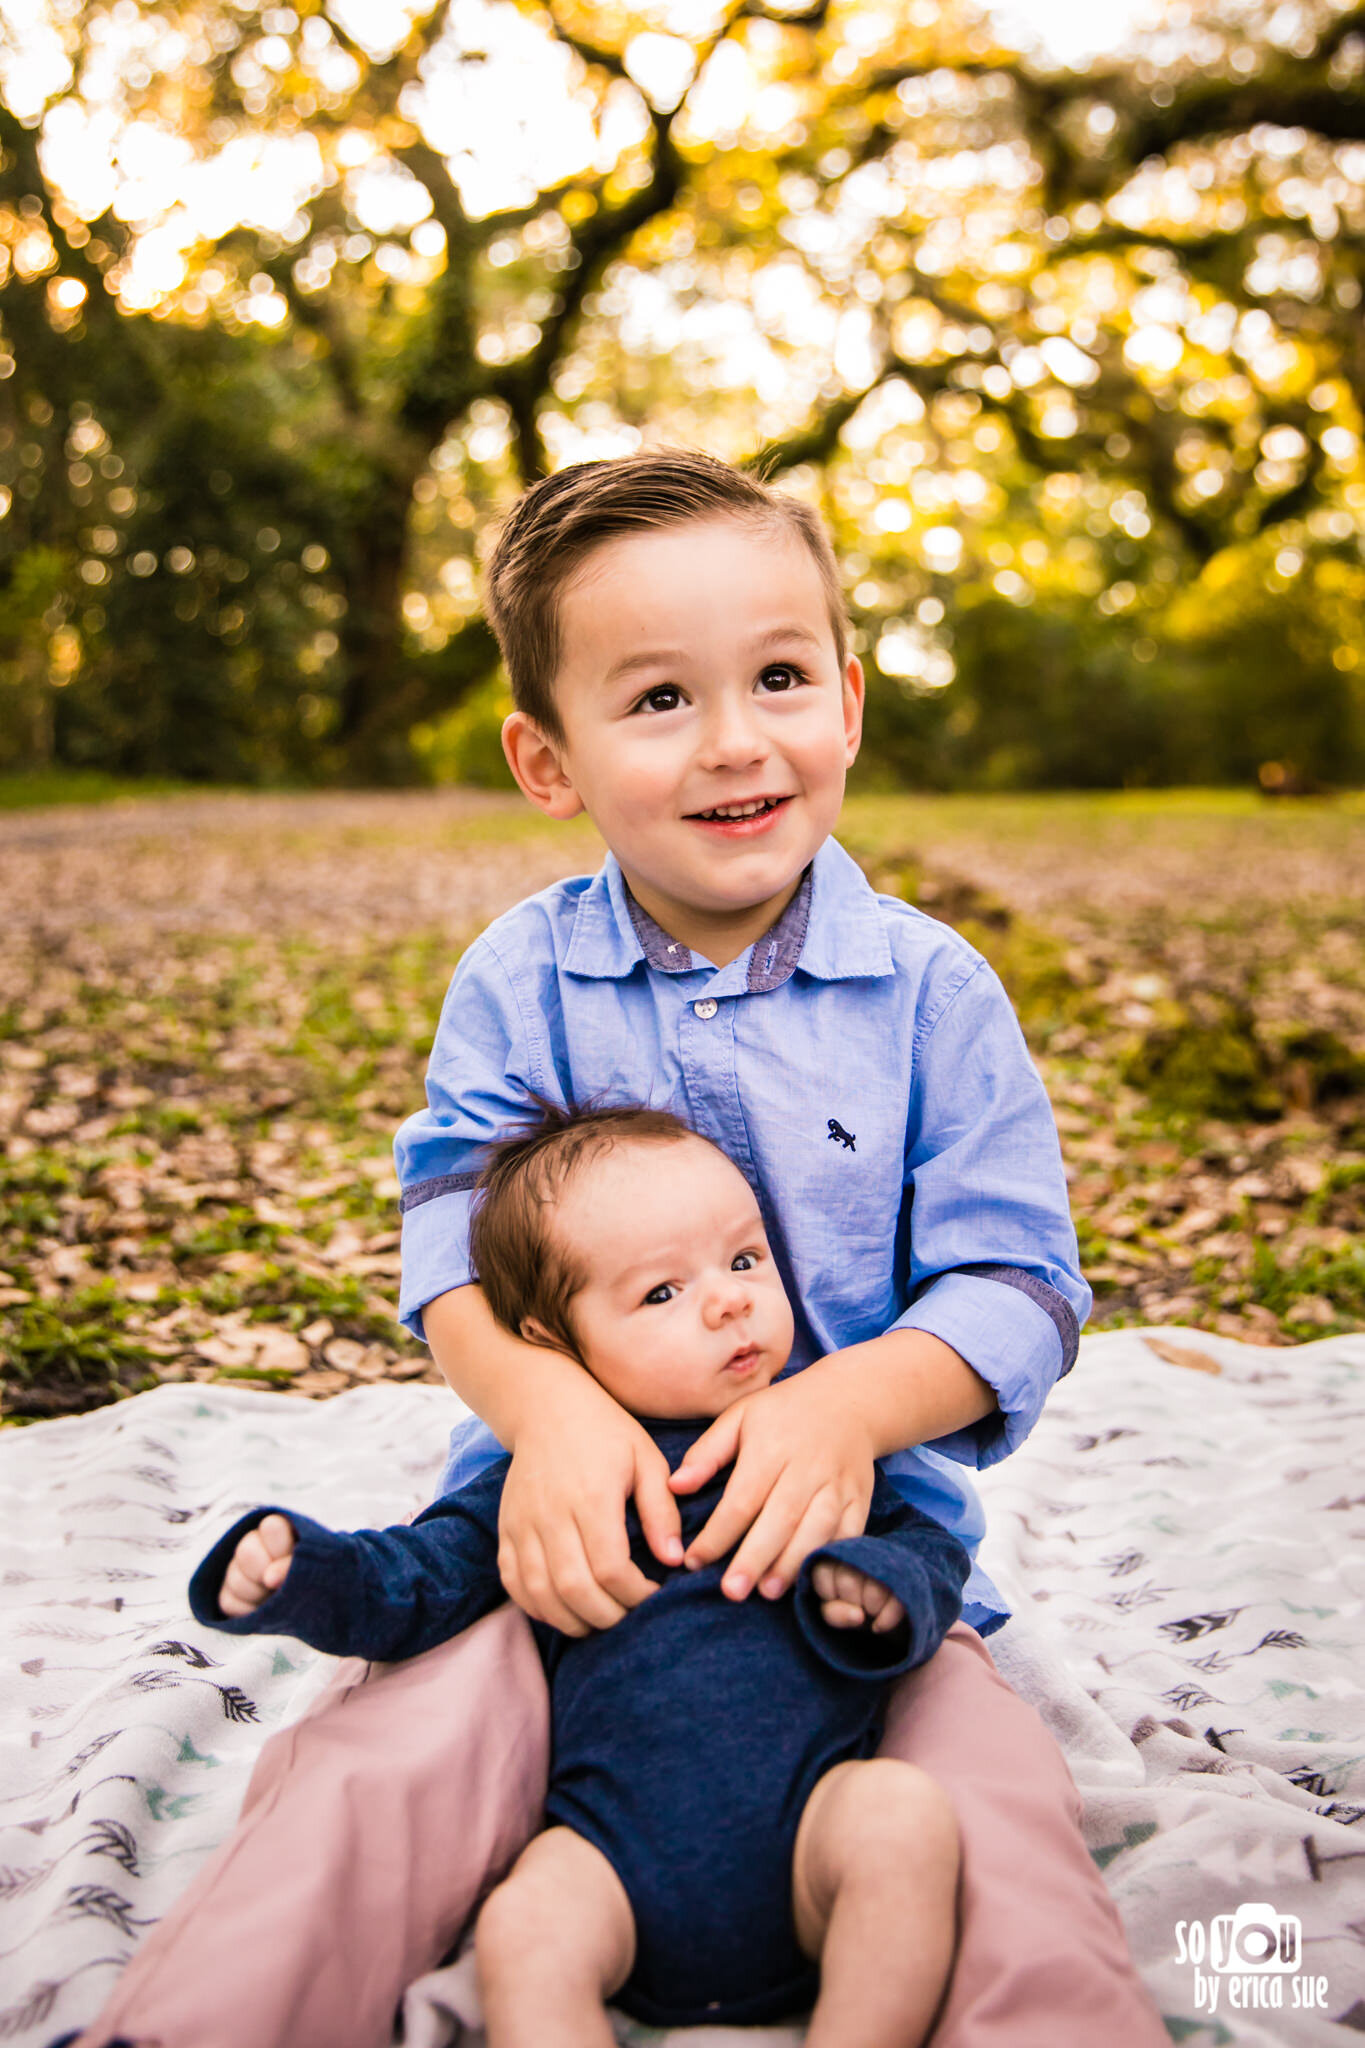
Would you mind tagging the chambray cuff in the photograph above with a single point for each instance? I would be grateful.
(435, 1250)
(1006, 1337)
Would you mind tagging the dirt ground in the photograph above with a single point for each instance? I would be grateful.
(215, 1009)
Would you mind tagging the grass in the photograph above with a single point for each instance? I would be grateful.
(39, 787)
(201, 1072)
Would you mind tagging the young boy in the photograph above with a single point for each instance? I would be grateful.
(715, 1814)
(678, 652)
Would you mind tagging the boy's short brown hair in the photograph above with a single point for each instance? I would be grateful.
(556, 524)
(518, 1260)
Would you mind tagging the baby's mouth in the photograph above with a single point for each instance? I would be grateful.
(745, 1360)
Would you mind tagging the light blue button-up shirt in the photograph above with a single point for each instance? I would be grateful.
(861, 1065)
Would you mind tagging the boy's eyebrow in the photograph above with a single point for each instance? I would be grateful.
(655, 656)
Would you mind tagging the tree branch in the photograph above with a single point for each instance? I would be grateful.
(603, 235)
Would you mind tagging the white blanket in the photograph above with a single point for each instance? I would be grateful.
(1183, 1549)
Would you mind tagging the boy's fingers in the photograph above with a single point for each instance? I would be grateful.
(534, 1589)
(822, 1522)
(586, 1566)
(614, 1582)
(714, 1449)
(784, 1527)
(735, 1511)
(659, 1514)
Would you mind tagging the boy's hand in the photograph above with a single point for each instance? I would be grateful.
(850, 1599)
(803, 1477)
(563, 1555)
(259, 1567)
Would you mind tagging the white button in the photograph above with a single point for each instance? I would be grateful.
(706, 1008)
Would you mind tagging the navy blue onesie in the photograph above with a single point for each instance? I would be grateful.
(685, 1741)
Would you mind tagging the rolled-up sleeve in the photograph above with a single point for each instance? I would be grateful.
(994, 1270)
(482, 1071)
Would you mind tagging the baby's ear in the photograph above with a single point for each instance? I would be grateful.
(535, 1332)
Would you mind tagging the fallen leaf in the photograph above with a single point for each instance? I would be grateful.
(1182, 1354)
(1312, 1308)
(318, 1381)
(281, 1351)
(344, 1353)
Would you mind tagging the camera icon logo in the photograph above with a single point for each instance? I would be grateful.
(1255, 1938)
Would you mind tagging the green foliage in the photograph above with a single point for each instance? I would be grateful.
(36, 576)
(466, 746)
(1319, 1066)
(1208, 1066)
(41, 786)
(30, 1189)
(1093, 471)
(1339, 1277)
(80, 1345)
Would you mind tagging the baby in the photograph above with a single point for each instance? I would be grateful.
(721, 1844)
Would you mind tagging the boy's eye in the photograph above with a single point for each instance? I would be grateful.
(782, 676)
(663, 697)
(657, 1296)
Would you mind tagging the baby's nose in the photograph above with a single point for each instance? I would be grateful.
(729, 1297)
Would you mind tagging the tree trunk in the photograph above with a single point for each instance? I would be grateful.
(380, 695)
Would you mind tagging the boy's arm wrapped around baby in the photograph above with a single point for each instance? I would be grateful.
(383, 1594)
(917, 1561)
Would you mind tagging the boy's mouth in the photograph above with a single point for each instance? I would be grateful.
(749, 815)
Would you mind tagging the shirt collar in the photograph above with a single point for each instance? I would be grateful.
(831, 929)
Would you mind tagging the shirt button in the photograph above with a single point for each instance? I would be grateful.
(705, 1009)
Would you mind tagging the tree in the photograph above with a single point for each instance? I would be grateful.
(1033, 337)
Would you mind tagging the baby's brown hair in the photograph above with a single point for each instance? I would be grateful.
(556, 524)
(522, 1267)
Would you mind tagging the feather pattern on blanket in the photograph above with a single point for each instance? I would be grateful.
(1185, 1550)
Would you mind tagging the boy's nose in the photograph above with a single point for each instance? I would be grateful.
(732, 737)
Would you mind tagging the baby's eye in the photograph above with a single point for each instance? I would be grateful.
(657, 1296)
(782, 676)
(663, 697)
(744, 1262)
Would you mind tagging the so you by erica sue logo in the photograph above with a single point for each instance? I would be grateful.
(1248, 1959)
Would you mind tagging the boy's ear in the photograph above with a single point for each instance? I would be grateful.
(537, 764)
(855, 693)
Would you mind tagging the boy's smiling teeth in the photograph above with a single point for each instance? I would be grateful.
(747, 810)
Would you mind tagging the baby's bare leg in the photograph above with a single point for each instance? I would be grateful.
(552, 1943)
(874, 1889)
